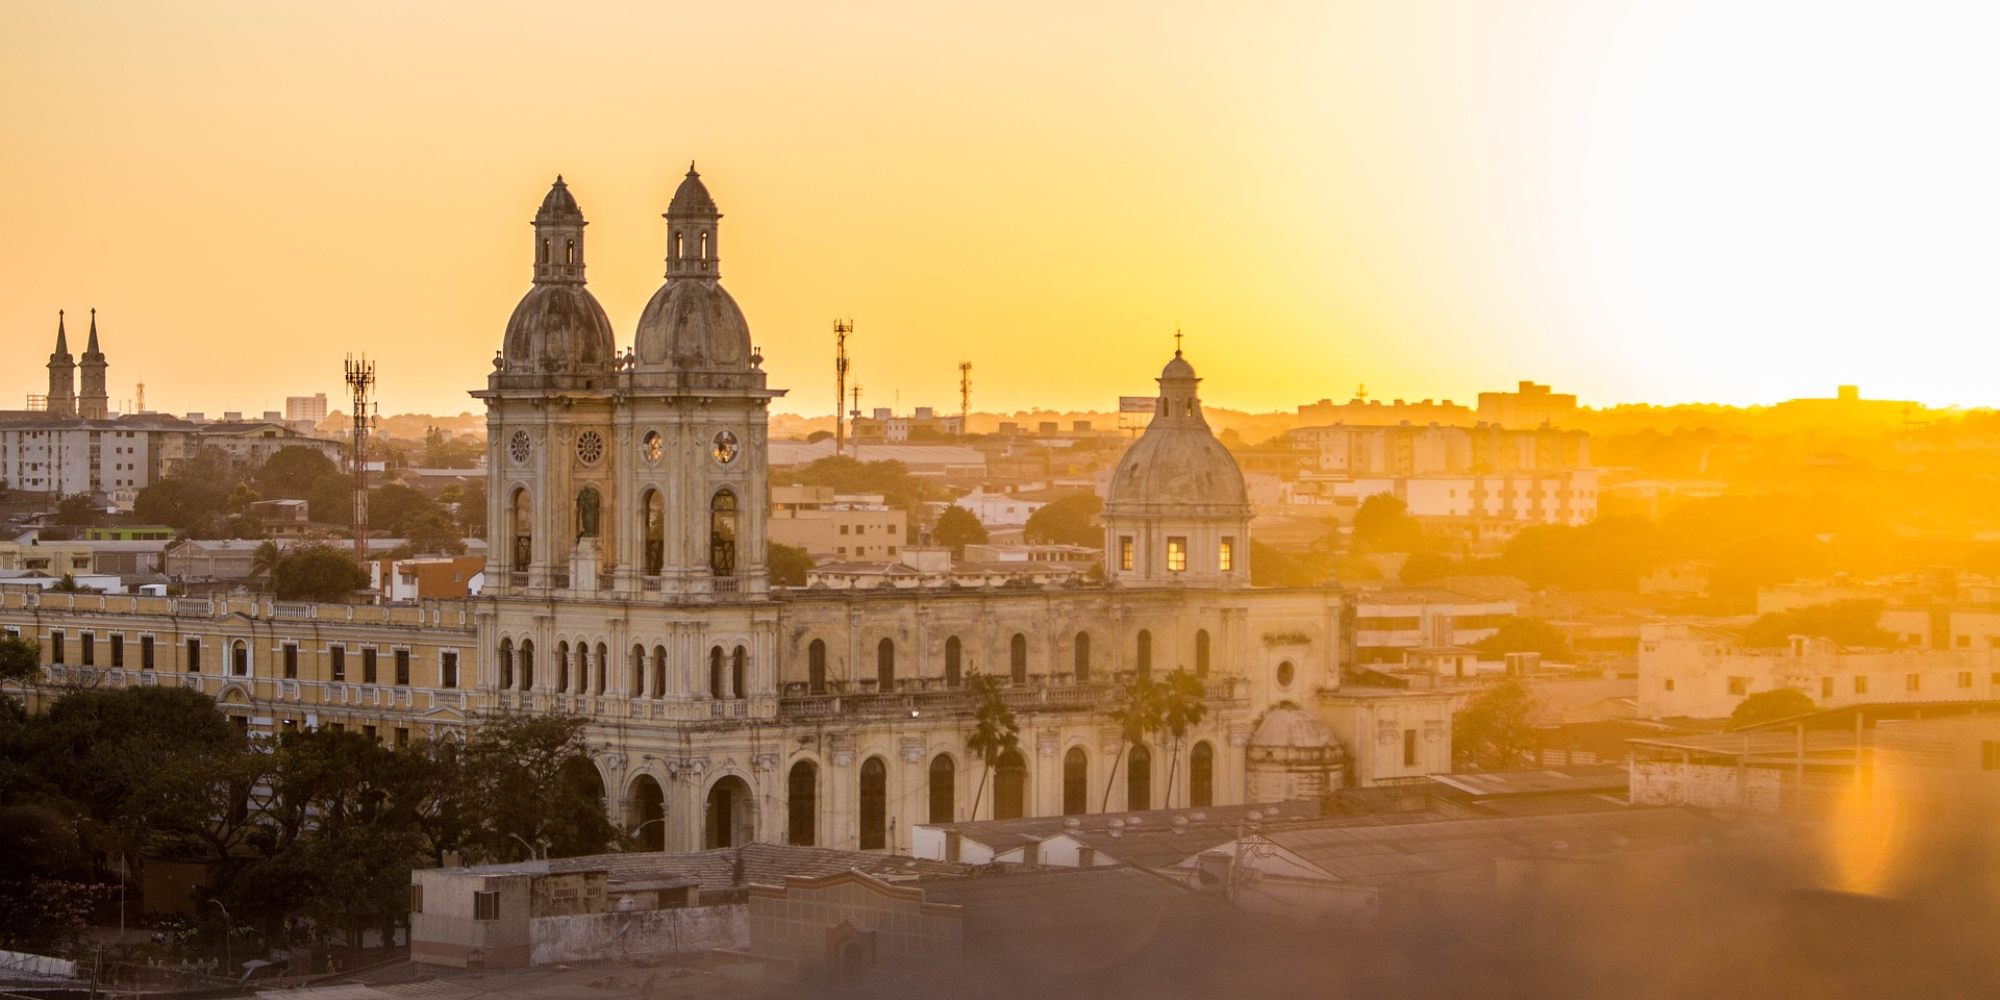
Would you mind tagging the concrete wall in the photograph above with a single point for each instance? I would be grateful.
(678, 931)
(1706, 786)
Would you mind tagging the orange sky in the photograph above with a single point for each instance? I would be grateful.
(1635, 201)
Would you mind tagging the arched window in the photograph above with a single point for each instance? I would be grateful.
(944, 788)
(715, 688)
(659, 671)
(1139, 779)
(1083, 657)
(737, 667)
(885, 665)
(655, 533)
(638, 689)
(524, 531)
(239, 658)
(954, 662)
(1017, 659)
(603, 666)
(732, 814)
(543, 255)
(1076, 782)
(802, 804)
(816, 667)
(649, 813)
(506, 664)
(569, 251)
(562, 667)
(1201, 653)
(874, 804)
(677, 246)
(1145, 660)
(1010, 786)
(1201, 775)
(704, 245)
(527, 664)
(722, 534)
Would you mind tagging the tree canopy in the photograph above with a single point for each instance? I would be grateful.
(788, 565)
(1071, 520)
(1492, 731)
(956, 528)
(1526, 635)
(1383, 524)
(317, 573)
(1849, 623)
(1769, 706)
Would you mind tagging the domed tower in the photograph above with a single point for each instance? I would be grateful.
(62, 375)
(551, 514)
(94, 403)
(698, 414)
(1177, 512)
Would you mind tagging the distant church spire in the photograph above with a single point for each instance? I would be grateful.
(94, 401)
(559, 238)
(62, 374)
(692, 230)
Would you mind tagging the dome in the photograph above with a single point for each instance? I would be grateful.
(559, 205)
(1182, 465)
(691, 197)
(558, 328)
(1290, 728)
(1177, 368)
(692, 323)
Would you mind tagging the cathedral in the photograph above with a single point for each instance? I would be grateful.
(626, 584)
(63, 400)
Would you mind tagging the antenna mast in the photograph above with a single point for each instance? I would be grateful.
(142, 398)
(360, 384)
(841, 328)
(855, 415)
(964, 398)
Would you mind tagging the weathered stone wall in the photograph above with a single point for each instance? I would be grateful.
(676, 931)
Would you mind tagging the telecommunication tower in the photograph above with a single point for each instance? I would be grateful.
(360, 385)
(140, 405)
(964, 398)
(841, 328)
(854, 416)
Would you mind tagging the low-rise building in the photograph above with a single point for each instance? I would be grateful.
(1390, 622)
(836, 526)
(1703, 671)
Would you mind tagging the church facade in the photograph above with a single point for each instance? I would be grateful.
(628, 495)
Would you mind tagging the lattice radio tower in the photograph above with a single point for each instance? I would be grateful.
(841, 328)
(360, 385)
(964, 398)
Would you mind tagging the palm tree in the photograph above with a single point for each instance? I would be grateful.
(995, 734)
(1138, 716)
(264, 561)
(1182, 706)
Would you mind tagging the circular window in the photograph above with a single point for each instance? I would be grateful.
(589, 447)
(652, 447)
(724, 449)
(1285, 674)
(519, 446)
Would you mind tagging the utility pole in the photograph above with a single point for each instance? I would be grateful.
(964, 398)
(361, 384)
(855, 415)
(841, 328)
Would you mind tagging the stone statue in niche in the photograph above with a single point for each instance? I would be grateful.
(586, 513)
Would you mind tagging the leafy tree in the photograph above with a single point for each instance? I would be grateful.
(264, 561)
(240, 498)
(1383, 524)
(292, 472)
(1274, 567)
(1526, 635)
(1849, 623)
(46, 879)
(1610, 553)
(389, 503)
(1492, 732)
(428, 531)
(522, 781)
(468, 506)
(1138, 715)
(1183, 703)
(317, 573)
(1071, 520)
(994, 731)
(77, 511)
(331, 500)
(956, 528)
(1426, 567)
(183, 503)
(1769, 706)
(20, 659)
(818, 436)
(788, 565)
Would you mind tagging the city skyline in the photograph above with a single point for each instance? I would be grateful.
(1503, 200)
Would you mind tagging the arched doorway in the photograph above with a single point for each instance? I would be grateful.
(1010, 786)
(874, 804)
(731, 821)
(562, 667)
(655, 558)
(943, 789)
(722, 534)
(1076, 782)
(648, 816)
(715, 682)
(1201, 775)
(1139, 779)
(506, 664)
(527, 664)
(802, 804)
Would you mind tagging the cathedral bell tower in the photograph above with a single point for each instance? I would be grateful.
(62, 375)
(95, 401)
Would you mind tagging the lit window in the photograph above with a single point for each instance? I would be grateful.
(1176, 554)
(1226, 559)
(1125, 552)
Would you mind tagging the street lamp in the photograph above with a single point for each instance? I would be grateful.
(228, 930)
(532, 856)
(641, 827)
